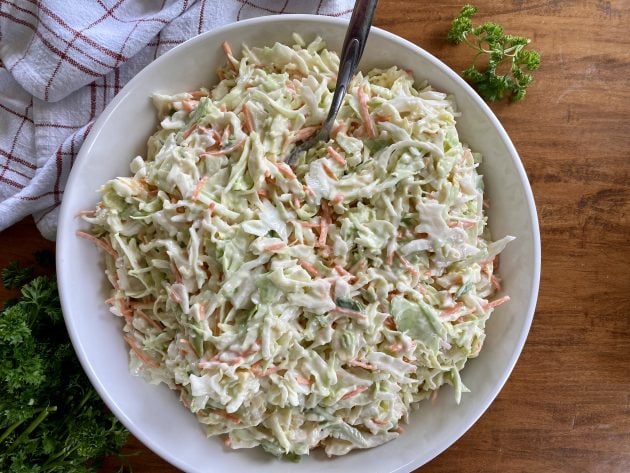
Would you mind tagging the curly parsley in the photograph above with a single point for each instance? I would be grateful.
(490, 40)
(51, 419)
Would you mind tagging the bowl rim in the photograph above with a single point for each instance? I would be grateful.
(110, 109)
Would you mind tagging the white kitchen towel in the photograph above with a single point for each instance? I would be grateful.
(62, 62)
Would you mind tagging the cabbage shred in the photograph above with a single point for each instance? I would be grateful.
(300, 307)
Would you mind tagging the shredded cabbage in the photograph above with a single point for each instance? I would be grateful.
(300, 307)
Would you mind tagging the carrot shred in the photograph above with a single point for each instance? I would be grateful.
(303, 381)
(354, 392)
(189, 105)
(85, 213)
(105, 246)
(248, 119)
(497, 302)
(361, 364)
(336, 156)
(275, 246)
(228, 52)
(310, 269)
(147, 360)
(225, 151)
(349, 312)
(152, 322)
(338, 199)
(197, 94)
(365, 113)
(198, 187)
(304, 133)
(329, 172)
(286, 170)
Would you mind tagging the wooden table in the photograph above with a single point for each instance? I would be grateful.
(566, 406)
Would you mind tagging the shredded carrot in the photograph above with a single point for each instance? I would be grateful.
(105, 246)
(365, 113)
(189, 345)
(390, 257)
(310, 269)
(228, 52)
(338, 199)
(189, 105)
(497, 302)
(275, 246)
(336, 156)
(152, 322)
(225, 151)
(354, 392)
(174, 296)
(230, 417)
(329, 172)
(382, 118)
(227, 131)
(202, 311)
(248, 119)
(461, 223)
(390, 323)
(303, 381)
(304, 133)
(349, 312)
(408, 266)
(296, 202)
(197, 94)
(285, 170)
(380, 422)
(261, 374)
(361, 364)
(263, 193)
(451, 310)
(323, 230)
(198, 187)
(399, 429)
(324, 221)
(147, 360)
(309, 224)
(188, 132)
(85, 213)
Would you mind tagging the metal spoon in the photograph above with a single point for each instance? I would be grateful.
(351, 52)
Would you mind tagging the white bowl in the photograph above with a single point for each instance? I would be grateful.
(153, 413)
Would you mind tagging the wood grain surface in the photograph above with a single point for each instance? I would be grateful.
(566, 406)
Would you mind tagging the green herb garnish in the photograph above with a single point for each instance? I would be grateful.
(508, 62)
(51, 419)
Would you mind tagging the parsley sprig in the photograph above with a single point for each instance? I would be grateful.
(51, 419)
(489, 40)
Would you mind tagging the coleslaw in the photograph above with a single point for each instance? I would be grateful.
(303, 307)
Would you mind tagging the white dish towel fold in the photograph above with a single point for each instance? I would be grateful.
(62, 62)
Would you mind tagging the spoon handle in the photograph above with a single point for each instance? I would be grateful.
(351, 52)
